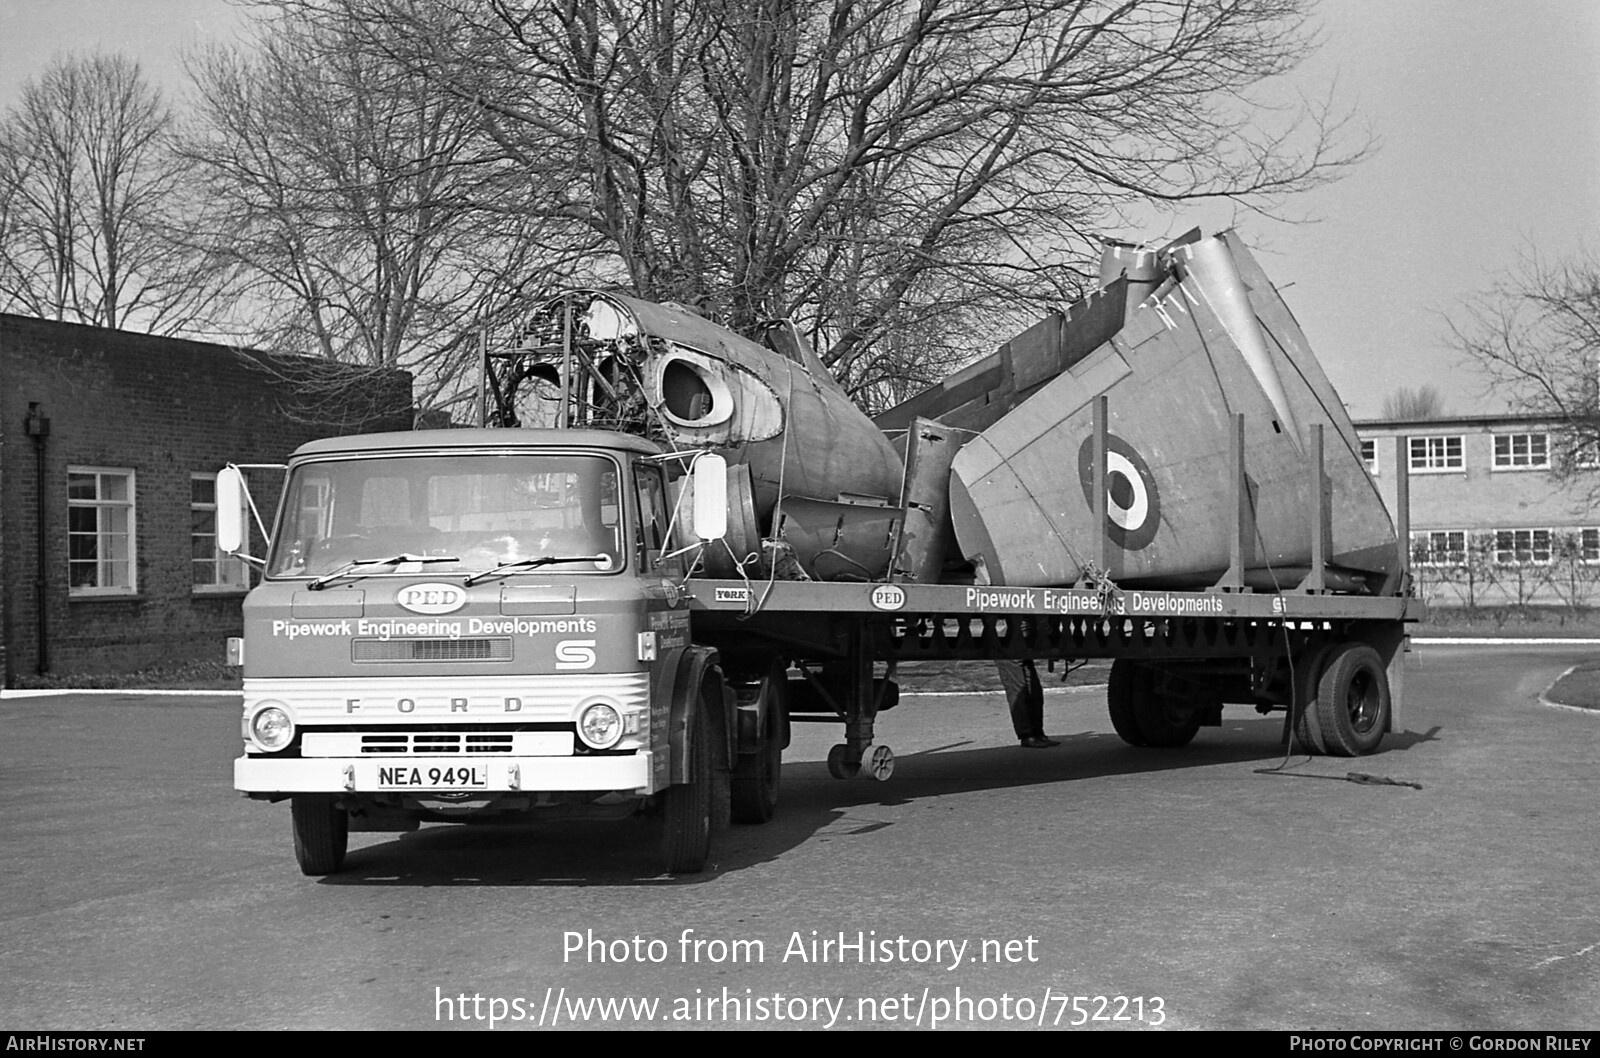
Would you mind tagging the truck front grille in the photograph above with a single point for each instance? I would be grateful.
(433, 742)
(497, 648)
(436, 743)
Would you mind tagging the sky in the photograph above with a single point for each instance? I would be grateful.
(1486, 113)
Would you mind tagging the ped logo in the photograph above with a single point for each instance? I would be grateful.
(434, 598)
(888, 597)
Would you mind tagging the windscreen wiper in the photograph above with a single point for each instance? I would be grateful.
(352, 569)
(506, 568)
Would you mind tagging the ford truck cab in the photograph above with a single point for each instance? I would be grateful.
(468, 623)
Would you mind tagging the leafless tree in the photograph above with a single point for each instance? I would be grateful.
(907, 178)
(1536, 337)
(93, 204)
(373, 223)
(1408, 404)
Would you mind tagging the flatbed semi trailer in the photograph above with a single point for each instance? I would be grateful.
(1333, 664)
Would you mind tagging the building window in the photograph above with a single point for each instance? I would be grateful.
(1369, 455)
(211, 570)
(1441, 547)
(1589, 545)
(100, 531)
(1519, 547)
(1521, 451)
(1436, 454)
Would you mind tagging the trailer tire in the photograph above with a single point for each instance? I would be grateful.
(686, 808)
(1129, 681)
(754, 792)
(1305, 725)
(1353, 701)
(321, 833)
(1165, 720)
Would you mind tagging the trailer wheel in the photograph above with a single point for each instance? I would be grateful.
(1129, 681)
(1167, 721)
(1305, 725)
(839, 765)
(754, 790)
(321, 833)
(755, 780)
(686, 808)
(1353, 700)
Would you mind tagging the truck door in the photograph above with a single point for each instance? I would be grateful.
(666, 623)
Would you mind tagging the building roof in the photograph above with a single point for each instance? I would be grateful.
(1460, 422)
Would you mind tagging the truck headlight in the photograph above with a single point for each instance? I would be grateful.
(271, 728)
(600, 726)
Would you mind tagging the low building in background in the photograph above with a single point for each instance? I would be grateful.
(1493, 523)
(109, 446)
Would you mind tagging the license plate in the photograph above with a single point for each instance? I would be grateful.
(433, 777)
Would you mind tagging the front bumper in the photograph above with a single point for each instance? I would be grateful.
(272, 775)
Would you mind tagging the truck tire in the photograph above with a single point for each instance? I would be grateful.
(1353, 700)
(1305, 726)
(686, 808)
(1129, 681)
(321, 833)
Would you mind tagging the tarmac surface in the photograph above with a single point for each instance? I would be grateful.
(1228, 885)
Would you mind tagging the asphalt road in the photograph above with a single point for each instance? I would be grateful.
(140, 892)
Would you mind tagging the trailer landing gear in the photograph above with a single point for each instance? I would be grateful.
(877, 762)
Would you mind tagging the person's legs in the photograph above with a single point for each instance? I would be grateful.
(1025, 698)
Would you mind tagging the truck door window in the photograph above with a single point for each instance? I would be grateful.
(652, 513)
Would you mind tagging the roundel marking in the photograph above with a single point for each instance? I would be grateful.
(1133, 503)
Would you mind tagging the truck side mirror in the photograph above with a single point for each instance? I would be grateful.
(232, 499)
(710, 472)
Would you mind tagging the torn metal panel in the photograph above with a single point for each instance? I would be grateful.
(927, 538)
(839, 541)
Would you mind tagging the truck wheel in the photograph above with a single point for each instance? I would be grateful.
(686, 808)
(1129, 681)
(1305, 726)
(1353, 700)
(321, 833)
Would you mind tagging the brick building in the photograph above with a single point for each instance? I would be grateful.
(1491, 523)
(121, 436)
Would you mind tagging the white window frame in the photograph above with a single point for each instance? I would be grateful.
(1507, 457)
(1370, 460)
(1507, 556)
(1438, 542)
(231, 576)
(1437, 457)
(1589, 545)
(131, 505)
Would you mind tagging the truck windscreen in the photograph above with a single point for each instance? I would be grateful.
(479, 511)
